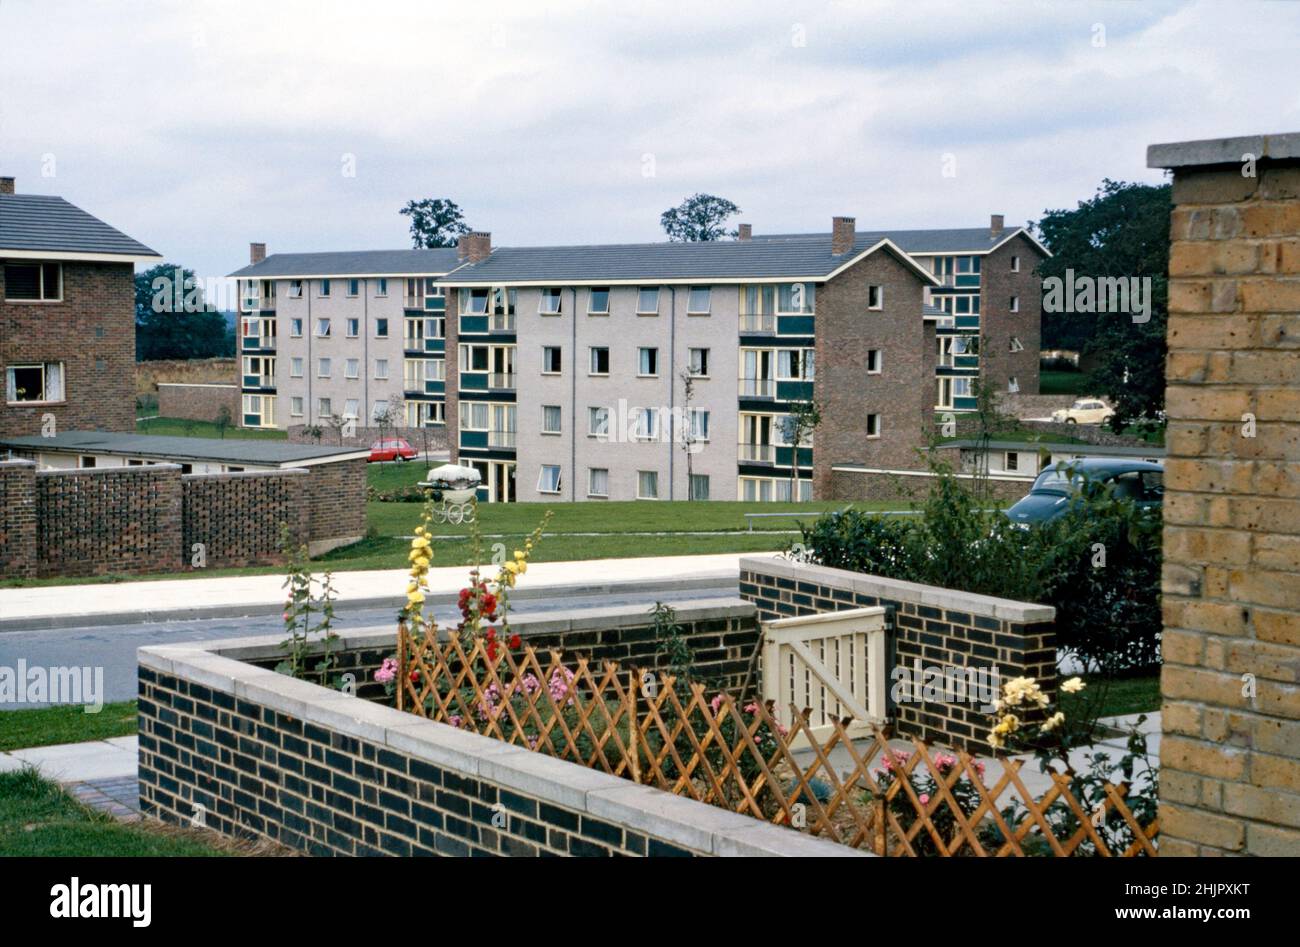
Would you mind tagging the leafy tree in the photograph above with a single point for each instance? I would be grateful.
(174, 320)
(796, 427)
(1123, 231)
(435, 222)
(699, 217)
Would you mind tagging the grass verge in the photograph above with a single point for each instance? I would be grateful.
(50, 726)
(180, 427)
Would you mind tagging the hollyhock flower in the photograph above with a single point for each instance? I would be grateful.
(492, 650)
(925, 798)
(387, 671)
(454, 720)
(515, 642)
(715, 703)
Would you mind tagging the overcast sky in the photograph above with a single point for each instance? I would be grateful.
(201, 125)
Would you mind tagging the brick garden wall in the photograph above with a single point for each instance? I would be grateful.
(1230, 756)
(938, 627)
(336, 504)
(17, 519)
(904, 486)
(110, 519)
(198, 402)
(237, 516)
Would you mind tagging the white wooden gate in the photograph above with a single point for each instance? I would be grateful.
(832, 663)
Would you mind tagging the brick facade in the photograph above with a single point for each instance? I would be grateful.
(904, 486)
(998, 283)
(1230, 757)
(17, 519)
(92, 332)
(937, 627)
(237, 516)
(198, 402)
(902, 393)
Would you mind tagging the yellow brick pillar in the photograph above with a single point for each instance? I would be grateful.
(1230, 752)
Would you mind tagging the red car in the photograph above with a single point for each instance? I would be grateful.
(392, 448)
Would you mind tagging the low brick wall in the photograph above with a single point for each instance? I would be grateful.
(109, 519)
(936, 627)
(236, 517)
(907, 485)
(17, 519)
(198, 402)
(1020, 405)
(336, 504)
(363, 437)
(267, 756)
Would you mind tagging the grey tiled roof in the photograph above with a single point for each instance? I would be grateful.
(354, 263)
(42, 222)
(230, 450)
(1117, 450)
(959, 240)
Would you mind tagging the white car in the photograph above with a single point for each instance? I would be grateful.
(1084, 411)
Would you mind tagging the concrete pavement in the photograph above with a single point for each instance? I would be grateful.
(70, 606)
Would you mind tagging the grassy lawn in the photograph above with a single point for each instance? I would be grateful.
(39, 818)
(49, 726)
(1127, 695)
(178, 427)
(1056, 382)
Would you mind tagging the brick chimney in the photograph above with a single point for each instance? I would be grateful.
(6, 185)
(996, 226)
(256, 252)
(843, 233)
(474, 246)
(746, 232)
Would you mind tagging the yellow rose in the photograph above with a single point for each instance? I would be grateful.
(1053, 721)
(1073, 685)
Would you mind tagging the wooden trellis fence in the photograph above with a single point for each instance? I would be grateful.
(648, 728)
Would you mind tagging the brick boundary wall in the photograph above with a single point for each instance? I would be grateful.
(17, 519)
(1021, 405)
(933, 625)
(336, 504)
(237, 516)
(1230, 753)
(365, 436)
(108, 519)
(907, 485)
(268, 756)
(198, 402)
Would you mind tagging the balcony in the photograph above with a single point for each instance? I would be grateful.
(757, 388)
(256, 304)
(259, 381)
(258, 342)
(501, 439)
(763, 323)
(501, 381)
(758, 453)
(502, 322)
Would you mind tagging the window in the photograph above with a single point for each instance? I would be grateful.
(352, 368)
(474, 358)
(1013, 385)
(324, 288)
(598, 301)
(323, 328)
(354, 287)
(548, 479)
(1014, 304)
(378, 411)
(42, 382)
(549, 304)
(295, 406)
(794, 364)
(1015, 264)
(323, 408)
(33, 282)
(597, 482)
(295, 288)
(352, 406)
(381, 286)
(295, 367)
(873, 425)
(598, 422)
(86, 462)
(295, 327)
(699, 486)
(698, 363)
(323, 368)
(647, 485)
(550, 419)
(648, 361)
(599, 361)
(873, 361)
(474, 415)
(381, 369)
(425, 413)
(875, 297)
(795, 299)
(1011, 461)
(699, 424)
(474, 302)
(353, 328)
(1017, 345)
(647, 301)
(645, 423)
(697, 303)
(961, 387)
(552, 360)
(381, 328)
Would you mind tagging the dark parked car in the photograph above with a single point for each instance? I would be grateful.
(1138, 480)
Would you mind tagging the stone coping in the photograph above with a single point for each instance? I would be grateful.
(682, 821)
(881, 587)
(1217, 151)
